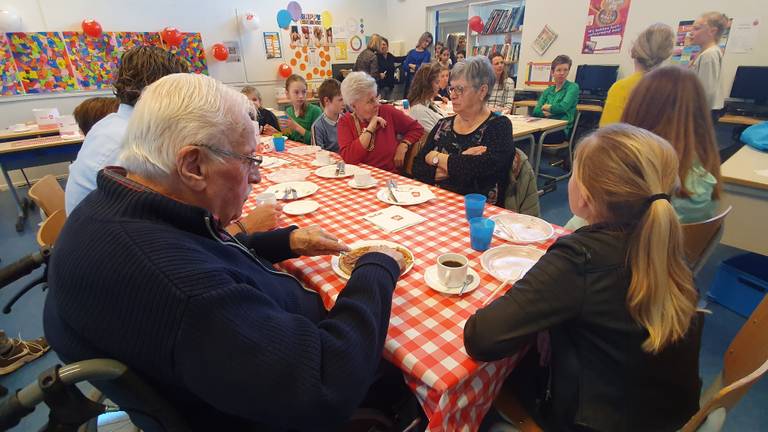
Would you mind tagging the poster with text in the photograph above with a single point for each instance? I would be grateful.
(685, 50)
(272, 45)
(606, 22)
(42, 62)
(9, 80)
(93, 58)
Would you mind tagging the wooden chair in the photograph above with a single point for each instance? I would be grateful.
(509, 408)
(413, 151)
(552, 148)
(701, 239)
(47, 194)
(745, 362)
(50, 228)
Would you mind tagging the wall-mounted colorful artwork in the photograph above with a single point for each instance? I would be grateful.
(192, 49)
(128, 40)
(94, 59)
(9, 80)
(42, 62)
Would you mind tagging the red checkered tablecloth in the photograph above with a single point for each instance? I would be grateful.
(425, 337)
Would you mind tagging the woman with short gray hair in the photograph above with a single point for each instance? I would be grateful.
(369, 134)
(470, 152)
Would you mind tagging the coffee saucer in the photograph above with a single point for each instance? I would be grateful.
(430, 277)
(354, 185)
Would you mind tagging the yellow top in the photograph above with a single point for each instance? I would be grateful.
(618, 95)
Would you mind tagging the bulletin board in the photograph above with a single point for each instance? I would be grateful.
(539, 74)
(54, 62)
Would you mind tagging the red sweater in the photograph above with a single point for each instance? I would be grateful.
(383, 154)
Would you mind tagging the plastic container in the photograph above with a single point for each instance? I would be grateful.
(741, 283)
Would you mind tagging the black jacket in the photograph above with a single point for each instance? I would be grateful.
(601, 377)
(387, 65)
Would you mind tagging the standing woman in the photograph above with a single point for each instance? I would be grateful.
(386, 79)
(651, 48)
(426, 84)
(706, 33)
(373, 134)
(415, 58)
(559, 101)
(301, 114)
(503, 92)
(367, 61)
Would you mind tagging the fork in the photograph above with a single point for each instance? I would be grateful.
(286, 192)
(342, 168)
(391, 186)
(295, 194)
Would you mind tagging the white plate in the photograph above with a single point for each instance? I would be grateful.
(304, 150)
(329, 171)
(424, 195)
(524, 229)
(298, 208)
(510, 262)
(430, 277)
(354, 185)
(272, 162)
(24, 129)
(303, 189)
(289, 175)
(361, 243)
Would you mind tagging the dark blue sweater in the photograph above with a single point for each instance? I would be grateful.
(234, 344)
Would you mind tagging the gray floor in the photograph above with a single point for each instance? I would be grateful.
(749, 415)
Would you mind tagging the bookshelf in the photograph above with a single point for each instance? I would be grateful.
(503, 21)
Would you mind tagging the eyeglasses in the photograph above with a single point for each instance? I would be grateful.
(252, 161)
(459, 90)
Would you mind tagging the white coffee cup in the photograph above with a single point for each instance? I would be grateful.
(323, 157)
(266, 198)
(452, 270)
(363, 177)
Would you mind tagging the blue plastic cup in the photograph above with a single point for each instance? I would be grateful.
(279, 143)
(406, 104)
(474, 205)
(481, 233)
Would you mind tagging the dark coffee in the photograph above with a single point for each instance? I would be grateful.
(452, 264)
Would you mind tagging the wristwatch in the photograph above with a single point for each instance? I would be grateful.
(436, 160)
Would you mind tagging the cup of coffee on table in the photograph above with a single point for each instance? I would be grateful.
(363, 177)
(452, 269)
(323, 157)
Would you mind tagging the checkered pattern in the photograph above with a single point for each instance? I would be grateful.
(425, 337)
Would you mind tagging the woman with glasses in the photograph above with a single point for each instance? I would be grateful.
(373, 134)
(470, 152)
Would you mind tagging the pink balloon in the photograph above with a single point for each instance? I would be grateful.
(294, 8)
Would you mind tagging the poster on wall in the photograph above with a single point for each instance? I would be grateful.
(93, 58)
(233, 51)
(744, 35)
(544, 40)
(606, 22)
(42, 62)
(272, 45)
(9, 80)
(685, 50)
(341, 49)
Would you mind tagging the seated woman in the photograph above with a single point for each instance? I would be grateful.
(503, 93)
(623, 332)
(470, 152)
(670, 102)
(266, 118)
(369, 133)
(442, 83)
(424, 88)
(301, 114)
(559, 101)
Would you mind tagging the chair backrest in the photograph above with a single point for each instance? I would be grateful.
(698, 237)
(51, 227)
(745, 362)
(47, 194)
(413, 151)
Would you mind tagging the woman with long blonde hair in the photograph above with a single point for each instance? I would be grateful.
(616, 297)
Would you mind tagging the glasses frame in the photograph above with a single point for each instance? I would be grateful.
(252, 161)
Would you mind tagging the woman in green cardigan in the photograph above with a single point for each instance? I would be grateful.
(559, 101)
(301, 114)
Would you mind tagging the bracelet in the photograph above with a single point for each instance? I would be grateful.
(366, 130)
(241, 226)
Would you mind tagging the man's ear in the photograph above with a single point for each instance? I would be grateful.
(191, 168)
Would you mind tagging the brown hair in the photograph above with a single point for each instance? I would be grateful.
(90, 111)
(719, 21)
(141, 66)
(635, 165)
(653, 45)
(424, 36)
(562, 59)
(421, 87)
(670, 102)
(292, 79)
(329, 89)
(500, 81)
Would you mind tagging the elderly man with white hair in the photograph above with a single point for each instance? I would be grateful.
(373, 134)
(144, 273)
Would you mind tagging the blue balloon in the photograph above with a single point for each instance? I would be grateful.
(283, 19)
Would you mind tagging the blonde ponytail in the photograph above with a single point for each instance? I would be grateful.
(633, 171)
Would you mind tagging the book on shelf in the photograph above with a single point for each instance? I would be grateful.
(504, 20)
(509, 51)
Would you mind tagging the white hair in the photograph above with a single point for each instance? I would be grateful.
(180, 110)
(357, 85)
(478, 71)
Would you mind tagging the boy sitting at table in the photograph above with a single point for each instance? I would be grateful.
(324, 128)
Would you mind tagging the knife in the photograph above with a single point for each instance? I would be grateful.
(342, 168)
(390, 186)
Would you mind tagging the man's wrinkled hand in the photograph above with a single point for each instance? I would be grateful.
(314, 241)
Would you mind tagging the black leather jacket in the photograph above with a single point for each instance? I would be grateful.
(601, 378)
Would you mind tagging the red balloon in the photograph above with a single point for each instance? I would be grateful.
(284, 70)
(476, 24)
(172, 36)
(220, 52)
(91, 28)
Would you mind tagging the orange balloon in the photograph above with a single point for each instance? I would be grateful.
(298, 54)
(303, 67)
(309, 76)
(323, 63)
(293, 62)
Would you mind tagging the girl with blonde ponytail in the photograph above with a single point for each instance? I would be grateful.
(616, 297)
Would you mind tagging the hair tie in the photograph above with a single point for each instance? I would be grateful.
(655, 197)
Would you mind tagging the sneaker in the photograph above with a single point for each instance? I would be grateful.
(22, 353)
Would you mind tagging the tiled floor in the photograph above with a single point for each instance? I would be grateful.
(749, 415)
